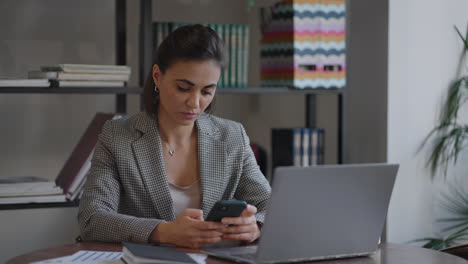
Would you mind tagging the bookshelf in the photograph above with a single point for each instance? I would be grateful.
(278, 90)
(38, 205)
(138, 90)
(71, 90)
(310, 96)
(119, 92)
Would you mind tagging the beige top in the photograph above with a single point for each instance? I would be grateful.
(185, 197)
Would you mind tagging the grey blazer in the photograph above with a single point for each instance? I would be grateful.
(127, 193)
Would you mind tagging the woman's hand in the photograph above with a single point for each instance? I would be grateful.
(188, 230)
(244, 227)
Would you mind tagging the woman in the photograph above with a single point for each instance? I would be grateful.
(156, 175)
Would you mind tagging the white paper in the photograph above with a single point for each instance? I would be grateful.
(199, 258)
(87, 256)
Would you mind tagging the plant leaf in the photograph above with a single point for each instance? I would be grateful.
(448, 137)
(464, 39)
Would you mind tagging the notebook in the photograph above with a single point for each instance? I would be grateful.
(322, 212)
(133, 253)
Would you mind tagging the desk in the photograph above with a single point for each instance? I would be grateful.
(387, 254)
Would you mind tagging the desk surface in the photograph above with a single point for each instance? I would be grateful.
(387, 254)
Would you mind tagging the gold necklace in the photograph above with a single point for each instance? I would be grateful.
(170, 150)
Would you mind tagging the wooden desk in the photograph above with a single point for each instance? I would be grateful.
(387, 254)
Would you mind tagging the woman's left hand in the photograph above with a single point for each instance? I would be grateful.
(244, 227)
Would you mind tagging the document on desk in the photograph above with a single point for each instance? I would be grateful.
(87, 256)
(103, 257)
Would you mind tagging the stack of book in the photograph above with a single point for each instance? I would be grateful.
(297, 146)
(70, 181)
(76, 75)
(28, 189)
(236, 39)
(4, 82)
(72, 176)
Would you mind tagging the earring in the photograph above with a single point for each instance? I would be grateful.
(156, 89)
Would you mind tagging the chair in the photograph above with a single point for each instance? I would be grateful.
(460, 251)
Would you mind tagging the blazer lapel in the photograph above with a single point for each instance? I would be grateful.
(148, 154)
(212, 159)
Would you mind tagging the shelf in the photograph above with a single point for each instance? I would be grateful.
(136, 90)
(38, 205)
(71, 90)
(278, 90)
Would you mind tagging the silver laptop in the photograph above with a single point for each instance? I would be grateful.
(321, 212)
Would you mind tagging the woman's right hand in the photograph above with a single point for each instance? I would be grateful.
(188, 230)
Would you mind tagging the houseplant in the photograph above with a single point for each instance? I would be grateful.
(449, 139)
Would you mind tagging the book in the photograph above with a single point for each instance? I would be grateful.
(133, 253)
(76, 193)
(21, 179)
(78, 76)
(24, 83)
(281, 147)
(78, 163)
(232, 49)
(61, 83)
(80, 178)
(321, 146)
(314, 143)
(236, 40)
(57, 198)
(297, 146)
(87, 68)
(306, 148)
(29, 189)
(245, 62)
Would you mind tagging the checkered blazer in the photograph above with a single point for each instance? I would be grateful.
(127, 193)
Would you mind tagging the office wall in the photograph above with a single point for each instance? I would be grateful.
(423, 56)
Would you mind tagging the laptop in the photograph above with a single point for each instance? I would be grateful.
(322, 212)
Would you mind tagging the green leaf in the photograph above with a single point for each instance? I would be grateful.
(465, 225)
(464, 39)
(452, 104)
(436, 244)
(449, 138)
(455, 201)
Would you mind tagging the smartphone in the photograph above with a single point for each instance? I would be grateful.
(226, 208)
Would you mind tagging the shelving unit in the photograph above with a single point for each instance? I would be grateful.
(278, 90)
(310, 103)
(310, 95)
(120, 95)
(38, 205)
(71, 90)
